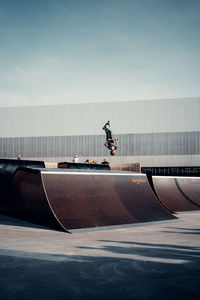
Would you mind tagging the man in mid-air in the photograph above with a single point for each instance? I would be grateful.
(111, 143)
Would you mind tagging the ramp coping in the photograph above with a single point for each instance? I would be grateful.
(195, 177)
(95, 173)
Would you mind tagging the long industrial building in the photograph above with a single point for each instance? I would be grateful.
(156, 133)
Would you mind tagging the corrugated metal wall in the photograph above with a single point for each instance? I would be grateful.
(167, 129)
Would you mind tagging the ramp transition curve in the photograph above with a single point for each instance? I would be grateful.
(9, 166)
(7, 171)
(74, 199)
(178, 193)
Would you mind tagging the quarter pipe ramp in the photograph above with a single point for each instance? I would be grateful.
(178, 193)
(7, 171)
(73, 199)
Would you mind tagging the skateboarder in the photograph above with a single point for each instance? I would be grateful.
(111, 143)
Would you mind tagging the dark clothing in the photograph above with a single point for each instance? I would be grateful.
(111, 142)
(108, 132)
(104, 162)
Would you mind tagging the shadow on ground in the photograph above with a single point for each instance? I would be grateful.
(6, 220)
(124, 272)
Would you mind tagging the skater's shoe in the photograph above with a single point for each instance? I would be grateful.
(105, 126)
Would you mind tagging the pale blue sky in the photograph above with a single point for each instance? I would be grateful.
(68, 51)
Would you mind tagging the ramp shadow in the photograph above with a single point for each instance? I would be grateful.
(28, 275)
(6, 220)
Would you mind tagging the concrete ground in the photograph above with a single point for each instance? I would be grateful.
(151, 261)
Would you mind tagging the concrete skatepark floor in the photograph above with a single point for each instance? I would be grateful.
(151, 261)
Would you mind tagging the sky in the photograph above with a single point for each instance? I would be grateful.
(86, 51)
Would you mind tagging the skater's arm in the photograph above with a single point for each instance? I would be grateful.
(116, 142)
(106, 144)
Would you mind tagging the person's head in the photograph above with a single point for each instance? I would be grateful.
(112, 152)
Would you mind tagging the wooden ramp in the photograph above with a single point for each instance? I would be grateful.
(73, 199)
(178, 193)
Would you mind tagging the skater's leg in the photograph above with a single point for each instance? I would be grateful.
(107, 131)
(108, 135)
(105, 127)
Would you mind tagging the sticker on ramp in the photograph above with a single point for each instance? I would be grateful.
(138, 180)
